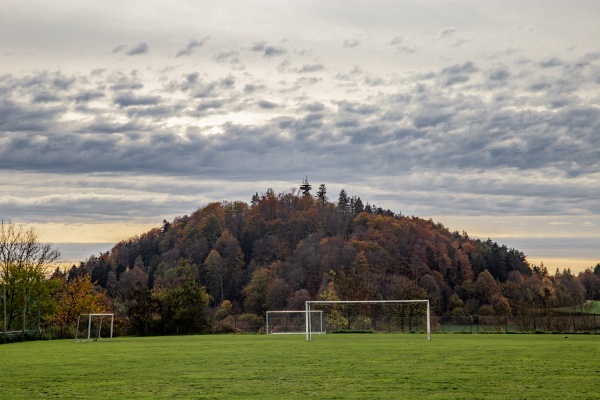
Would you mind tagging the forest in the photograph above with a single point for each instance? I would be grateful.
(222, 267)
(283, 249)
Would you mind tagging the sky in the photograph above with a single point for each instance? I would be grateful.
(483, 116)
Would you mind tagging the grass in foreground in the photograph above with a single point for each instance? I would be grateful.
(288, 367)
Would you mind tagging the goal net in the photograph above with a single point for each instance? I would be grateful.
(293, 322)
(376, 316)
(94, 327)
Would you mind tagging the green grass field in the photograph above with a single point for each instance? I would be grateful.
(450, 366)
(595, 307)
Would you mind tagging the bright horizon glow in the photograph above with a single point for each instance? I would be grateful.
(113, 232)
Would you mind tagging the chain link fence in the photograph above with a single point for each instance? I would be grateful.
(527, 323)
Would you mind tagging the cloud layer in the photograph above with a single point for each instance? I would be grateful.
(515, 130)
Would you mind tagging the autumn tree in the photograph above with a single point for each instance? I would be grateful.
(24, 262)
(181, 305)
(256, 291)
(75, 297)
(134, 297)
(591, 284)
(486, 287)
(232, 265)
(214, 275)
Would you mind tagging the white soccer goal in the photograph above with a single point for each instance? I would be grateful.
(374, 316)
(94, 327)
(293, 322)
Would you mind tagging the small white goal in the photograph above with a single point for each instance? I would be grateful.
(94, 327)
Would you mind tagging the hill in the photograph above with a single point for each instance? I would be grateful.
(283, 249)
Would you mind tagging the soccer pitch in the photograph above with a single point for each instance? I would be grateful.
(450, 366)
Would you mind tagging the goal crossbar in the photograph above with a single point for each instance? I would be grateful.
(311, 303)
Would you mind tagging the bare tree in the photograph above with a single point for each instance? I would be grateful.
(24, 261)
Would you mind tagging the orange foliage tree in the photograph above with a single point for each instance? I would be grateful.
(75, 298)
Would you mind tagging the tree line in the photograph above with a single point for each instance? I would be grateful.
(222, 267)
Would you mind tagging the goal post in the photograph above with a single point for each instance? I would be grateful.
(372, 316)
(292, 322)
(91, 327)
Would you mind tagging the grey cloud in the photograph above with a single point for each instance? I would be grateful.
(267, 105)
(130, 99)
(499, 74)
(456, 79)
(140, 48)
(17, 118)
(371, 135)
(120, 81)
(259, 46)
(87, 95)
(466, 68)
(200, 88)
(551, 63)
(393, 115)
(302, 128)
(156, 112)
(356, 108)
(446, 32)
(51, 81)
(209, 105)
(539, 86)
(307, 81)
(396, 40)
(347, 123)
(62, 82)
(309, 68)
(426, 119)
(100, 203)
(190, 81)
(402, 48)
(231, 57)
(458, 73)
(118, 49)
(227, 82)
(374, 81)
(406, 49)
(268, 50)
(351, 43)
(191, 46)
(271, 51)
(46, 97)
(205, 90)
(314, 107)
(104, 125)
(250, 88)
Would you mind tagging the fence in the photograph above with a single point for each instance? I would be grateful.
(528, 323)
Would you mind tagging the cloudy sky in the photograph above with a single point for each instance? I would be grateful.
(484, 116)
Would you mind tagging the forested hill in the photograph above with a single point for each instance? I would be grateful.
(281, 250)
